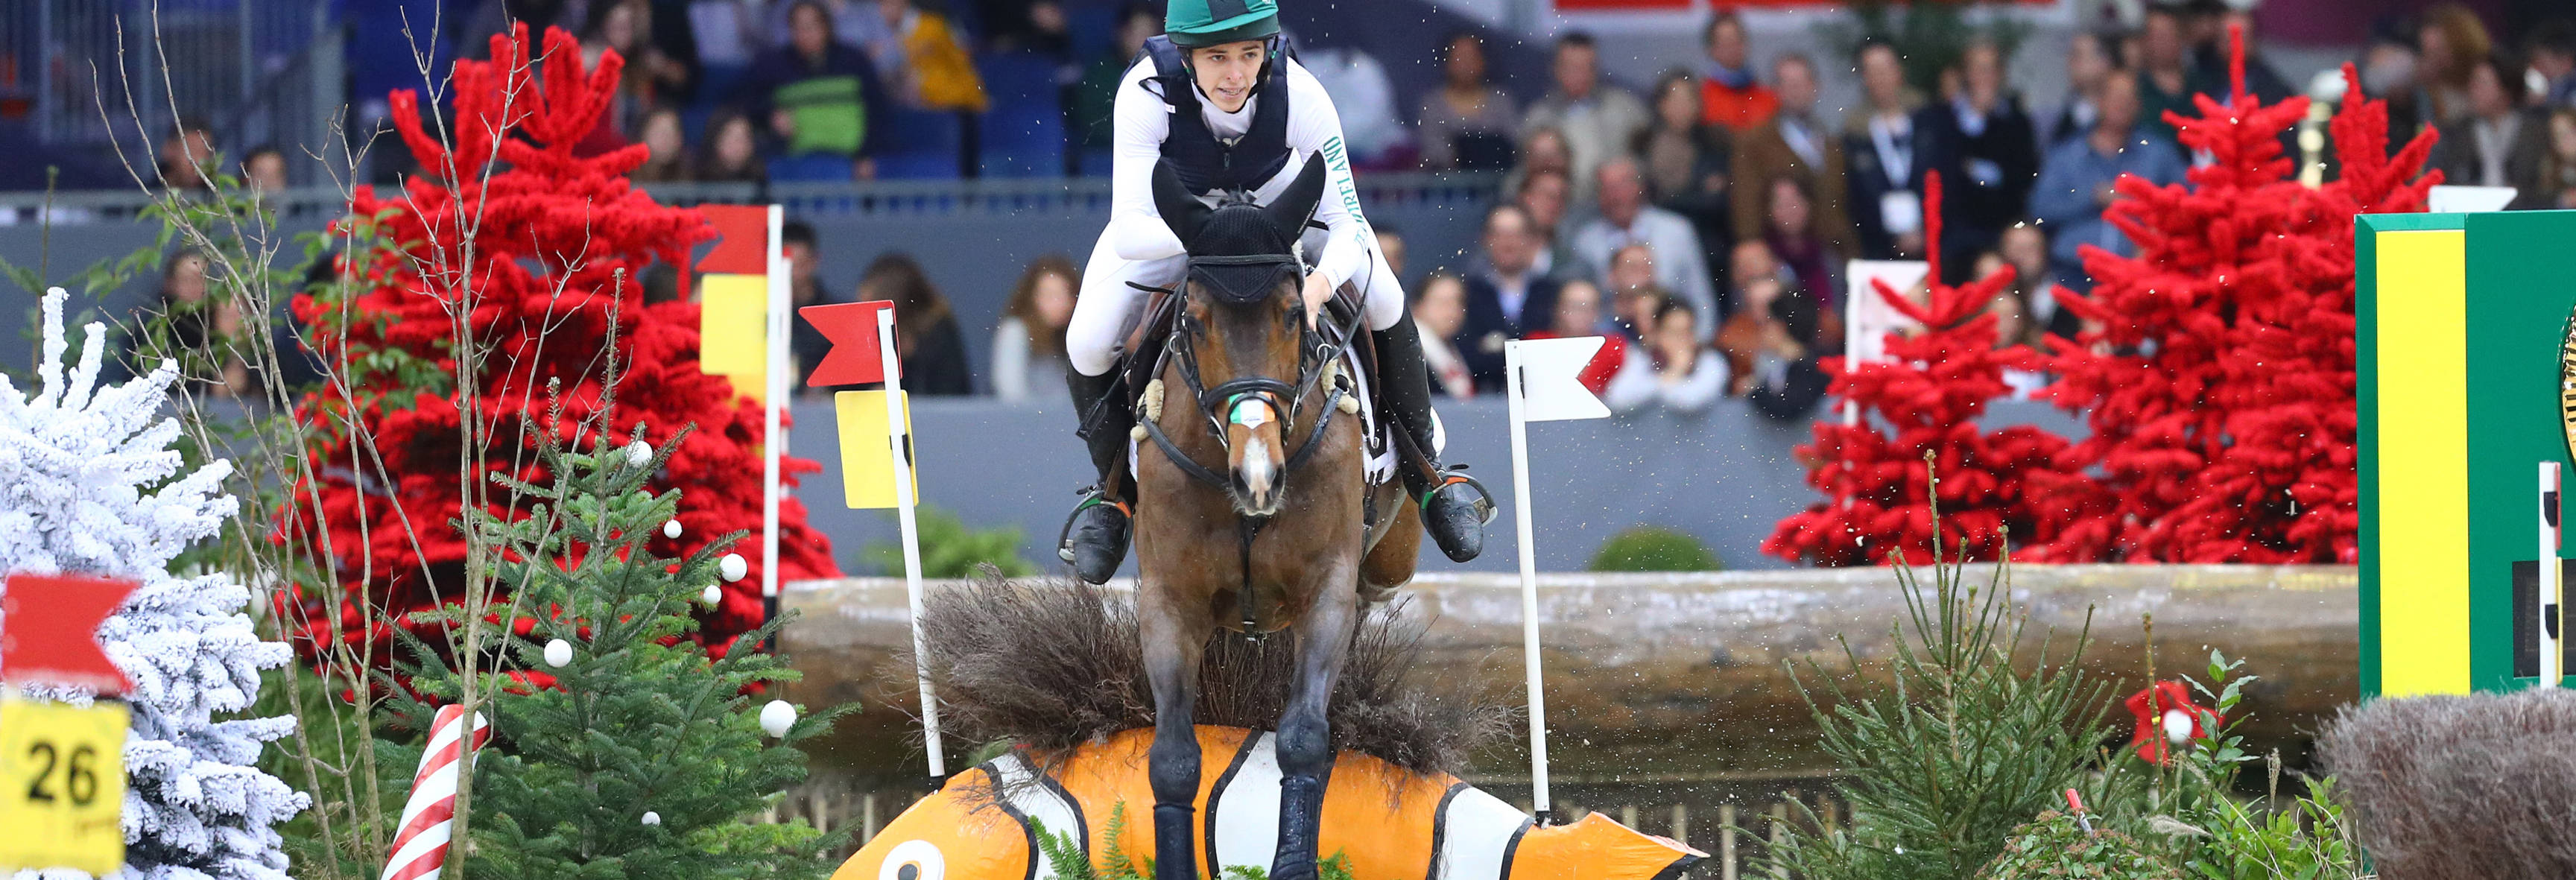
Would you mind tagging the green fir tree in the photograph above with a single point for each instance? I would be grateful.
(1980, 732)
(640, 757)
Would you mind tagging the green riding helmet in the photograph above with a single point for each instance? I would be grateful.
(1193, 24)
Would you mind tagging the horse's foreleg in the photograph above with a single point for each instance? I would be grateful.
(1173, 639)
(1305, 743)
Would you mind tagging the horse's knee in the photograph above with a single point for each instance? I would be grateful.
(1305, 746)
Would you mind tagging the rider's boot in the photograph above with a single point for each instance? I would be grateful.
(1095, 538)
(1455, 507)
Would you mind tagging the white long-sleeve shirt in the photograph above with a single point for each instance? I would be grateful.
(1140, 122)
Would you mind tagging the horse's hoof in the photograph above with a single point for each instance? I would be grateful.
(1096, 543)
(1454, 522)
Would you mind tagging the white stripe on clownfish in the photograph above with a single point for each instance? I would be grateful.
(1027, 796)
(1477, 834)
(1246, 808)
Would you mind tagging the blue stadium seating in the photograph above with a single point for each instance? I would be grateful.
(1023, 132)
(919, 145)
(810, 167)
(1095, 163)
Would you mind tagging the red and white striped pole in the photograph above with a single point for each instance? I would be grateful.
(420, 848)
(2549, 583)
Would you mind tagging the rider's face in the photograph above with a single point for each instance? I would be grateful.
(1226, 72)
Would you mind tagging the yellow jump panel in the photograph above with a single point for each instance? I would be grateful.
(2423, 462)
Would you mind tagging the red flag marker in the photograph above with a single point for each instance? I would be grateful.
(854, 358)
(49, 630)
(742, 246)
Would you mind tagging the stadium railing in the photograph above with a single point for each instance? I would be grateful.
(909, 198)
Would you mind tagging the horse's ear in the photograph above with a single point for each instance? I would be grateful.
(1296, 205)
(1181, 210)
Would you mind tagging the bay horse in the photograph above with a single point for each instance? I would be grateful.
(1255, 516)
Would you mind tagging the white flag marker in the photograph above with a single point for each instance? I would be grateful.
(1544, 384)
(2551, 587)
(1548, 378)
(898, 444)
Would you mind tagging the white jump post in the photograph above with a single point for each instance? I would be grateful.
(773, 437)
(899, 443)
(1529, 581)
(2549, 596)
(1544, 384)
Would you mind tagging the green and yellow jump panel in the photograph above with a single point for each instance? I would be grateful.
(2460, 321)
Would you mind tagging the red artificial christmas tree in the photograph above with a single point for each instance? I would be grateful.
(513, 236)
(2219, 385)
(1931, 389)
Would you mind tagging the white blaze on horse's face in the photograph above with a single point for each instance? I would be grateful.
(1257, 458)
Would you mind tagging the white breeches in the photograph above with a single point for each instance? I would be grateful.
(1107, 309)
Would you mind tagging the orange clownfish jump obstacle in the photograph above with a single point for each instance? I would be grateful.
(1386, 821)
(1057, 670)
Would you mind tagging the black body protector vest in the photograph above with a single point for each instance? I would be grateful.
(1205, 163)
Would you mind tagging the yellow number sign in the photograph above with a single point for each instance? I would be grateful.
(62, 786)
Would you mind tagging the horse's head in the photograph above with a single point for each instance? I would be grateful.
(1244, 323)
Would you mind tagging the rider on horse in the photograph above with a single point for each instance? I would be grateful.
(1214, 98)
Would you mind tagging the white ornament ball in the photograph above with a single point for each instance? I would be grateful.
(777, 717)
(732, 567)
(711, 595)
(2177, 726)
(671, 529)
(637, 453)
(652, 818)
(558, 653)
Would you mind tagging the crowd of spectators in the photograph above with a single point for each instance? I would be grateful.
(1703, 226)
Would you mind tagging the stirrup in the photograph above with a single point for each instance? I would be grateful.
(1455, 474)
(1092, 497)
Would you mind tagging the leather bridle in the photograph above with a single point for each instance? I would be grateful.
(1319, 344)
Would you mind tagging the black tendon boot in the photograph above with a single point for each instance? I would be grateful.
(1455, 507)
(1172, 826)
(1301, 816)
(1095, 538)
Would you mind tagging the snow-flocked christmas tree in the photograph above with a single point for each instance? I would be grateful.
(90, 485)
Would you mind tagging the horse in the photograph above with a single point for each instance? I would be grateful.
(1253, 513)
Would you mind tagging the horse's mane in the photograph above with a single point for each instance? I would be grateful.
(1050, 665)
